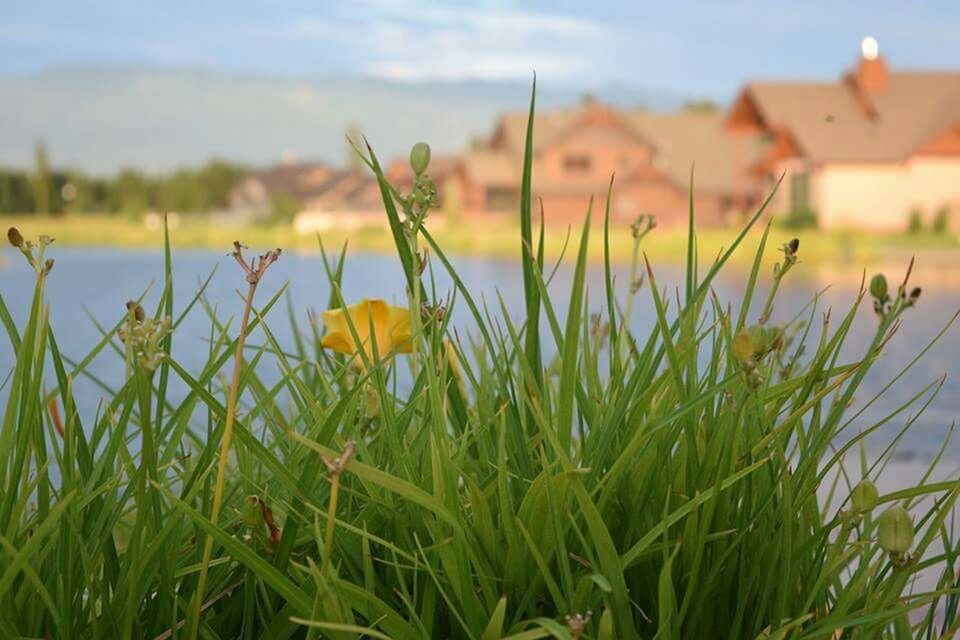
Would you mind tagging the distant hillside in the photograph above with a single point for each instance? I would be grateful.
(157, 119)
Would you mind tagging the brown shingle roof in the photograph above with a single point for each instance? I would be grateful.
(346, 189)
(830, 124)
(494, 168)
(296, 180)
(511, 129)
(680, 139)
(700, 140)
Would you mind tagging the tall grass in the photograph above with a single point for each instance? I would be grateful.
(681, 484)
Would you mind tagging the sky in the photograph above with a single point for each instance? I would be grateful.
(704, 49)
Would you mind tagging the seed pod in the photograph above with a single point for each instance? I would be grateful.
(895, 530)
(15, 237)
(864, 497)
(878, 287)
(420, 157)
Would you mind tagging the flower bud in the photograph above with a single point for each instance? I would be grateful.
(606, 625)
(878, 287)
(15, 237)
(759, 337)
(743, 347)
(420, 157)
(895, 530)
(371, 403)
(251, 512)
(864, 496)
(915, 294)
(136, 310)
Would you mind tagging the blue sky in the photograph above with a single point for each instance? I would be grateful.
(699, 48)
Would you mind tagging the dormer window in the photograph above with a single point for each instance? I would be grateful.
(577, 163)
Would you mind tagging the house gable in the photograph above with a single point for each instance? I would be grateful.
(745, 115)
(597, 144)
(945, 143)
(783, 147)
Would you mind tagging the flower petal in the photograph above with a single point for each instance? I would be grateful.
(380, 312)
(338, 342)
(400, 329)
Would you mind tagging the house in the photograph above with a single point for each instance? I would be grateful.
(255, 194)
(320, 194)
(863, 151)
(577, 150)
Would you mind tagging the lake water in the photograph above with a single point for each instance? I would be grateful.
(99, 281)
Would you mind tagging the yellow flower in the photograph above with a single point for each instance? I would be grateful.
(390, 326)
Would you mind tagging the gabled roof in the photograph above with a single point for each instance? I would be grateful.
(679, 140)
(511, 129)
(840, 122)
(317, 184)
(494, 168)
(698, 140)
(298, 180)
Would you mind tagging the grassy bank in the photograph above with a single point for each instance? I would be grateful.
(498, 239)
(384, 476)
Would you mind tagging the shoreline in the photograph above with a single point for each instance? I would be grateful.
(825, 249)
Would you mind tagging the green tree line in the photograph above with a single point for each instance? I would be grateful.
(130, 191)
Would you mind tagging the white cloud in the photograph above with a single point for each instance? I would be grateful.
(414, 41)
(488, 66)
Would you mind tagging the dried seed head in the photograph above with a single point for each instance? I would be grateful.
(643, 225)
(864, 496)
(793, 245)
(895, 530)
(577, 623)
(420, 157)
(47, 266)
(15, 237)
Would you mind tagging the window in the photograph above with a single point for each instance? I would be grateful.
(578, 163)
(799, 192)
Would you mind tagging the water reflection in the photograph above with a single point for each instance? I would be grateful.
(89, 285)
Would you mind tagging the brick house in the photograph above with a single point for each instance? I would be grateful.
(860, 152)
(576, 150)
(319, 189)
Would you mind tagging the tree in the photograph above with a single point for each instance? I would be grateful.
(41, 179)
(217, 178)
(129, 193)
(701, 106)
(16, 192)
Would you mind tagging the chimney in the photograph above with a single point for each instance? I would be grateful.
(871, 75)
